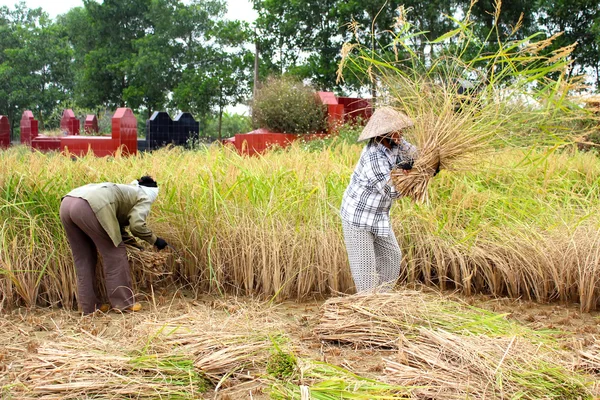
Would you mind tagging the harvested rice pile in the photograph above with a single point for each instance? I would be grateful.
(444, 365)
(175, 362)
(451, 351)
(382, 319)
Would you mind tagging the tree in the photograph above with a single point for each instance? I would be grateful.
(104, 37)
(35, 64)
(215, 65)
(304, 37)
(579, 22)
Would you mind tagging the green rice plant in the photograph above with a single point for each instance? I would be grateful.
(176, 370)
(281, 365)
(520, 94)
(523, 223)
(322, 381)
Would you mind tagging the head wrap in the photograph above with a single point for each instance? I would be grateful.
(150, 192)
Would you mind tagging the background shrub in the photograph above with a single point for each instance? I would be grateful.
(286, 105)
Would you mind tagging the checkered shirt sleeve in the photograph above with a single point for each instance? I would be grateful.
(367, 201)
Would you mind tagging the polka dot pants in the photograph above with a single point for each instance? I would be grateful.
(374, 260)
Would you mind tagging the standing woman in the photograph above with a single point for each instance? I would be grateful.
(95, 217)
(373, 250)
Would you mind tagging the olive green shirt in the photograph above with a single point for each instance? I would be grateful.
(117, 206)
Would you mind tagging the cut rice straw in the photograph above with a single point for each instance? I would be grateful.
(444, 365)
(384, 319)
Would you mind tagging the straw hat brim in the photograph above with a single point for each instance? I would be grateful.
(385, 120)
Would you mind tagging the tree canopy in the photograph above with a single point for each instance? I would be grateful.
(175, 55)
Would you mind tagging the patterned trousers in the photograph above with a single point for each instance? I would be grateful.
(374, 260)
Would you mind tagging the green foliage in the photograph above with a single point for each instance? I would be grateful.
(281, 365)
(286, 105)
(576, 26)
(231, 124)
(35, 69)
(345, 134)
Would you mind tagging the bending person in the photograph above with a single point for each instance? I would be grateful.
(373, 250)
(95, 217)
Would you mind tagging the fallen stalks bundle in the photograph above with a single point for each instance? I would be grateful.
(385, 319)
(221, 356)
(443, 365)
(174, 364)
(77, 368)
(322, 381)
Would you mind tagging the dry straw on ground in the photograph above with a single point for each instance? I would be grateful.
(381, 319)
(177, 358)
(447, 350)
(444, 365)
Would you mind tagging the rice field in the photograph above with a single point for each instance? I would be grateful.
(522, 224)
(252, 305)
(500, 274)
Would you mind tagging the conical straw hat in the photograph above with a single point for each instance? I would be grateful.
(383, 121)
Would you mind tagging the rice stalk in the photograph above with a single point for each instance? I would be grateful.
(445, 365)
(384, 319)
(322, 381)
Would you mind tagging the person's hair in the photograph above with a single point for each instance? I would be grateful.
(384, 139)
(147, 181)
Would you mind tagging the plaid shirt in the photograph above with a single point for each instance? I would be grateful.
(367, 201)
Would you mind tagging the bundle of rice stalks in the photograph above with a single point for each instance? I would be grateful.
(384, 319)
(77, 368)
(451, 128)
(318, 380)
(444, 365)
(174, 364)
(445, 140)
(225, 357)
(148, 262)
(150, 267)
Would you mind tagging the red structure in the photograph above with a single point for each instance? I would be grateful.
(345, 109)
(339, 111)
(124, 137)
(335, 111)
(68, 123)
(91, 124)
(355, 109)
(29, 127)
(260, 140)
(4, 132)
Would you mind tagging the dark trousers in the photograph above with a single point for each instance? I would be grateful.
(86, 237)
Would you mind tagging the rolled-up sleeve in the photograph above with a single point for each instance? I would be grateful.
(137, 222)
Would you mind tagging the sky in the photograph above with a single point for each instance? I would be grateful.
(237, 9)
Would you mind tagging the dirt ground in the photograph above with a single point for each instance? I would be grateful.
(22, 330)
